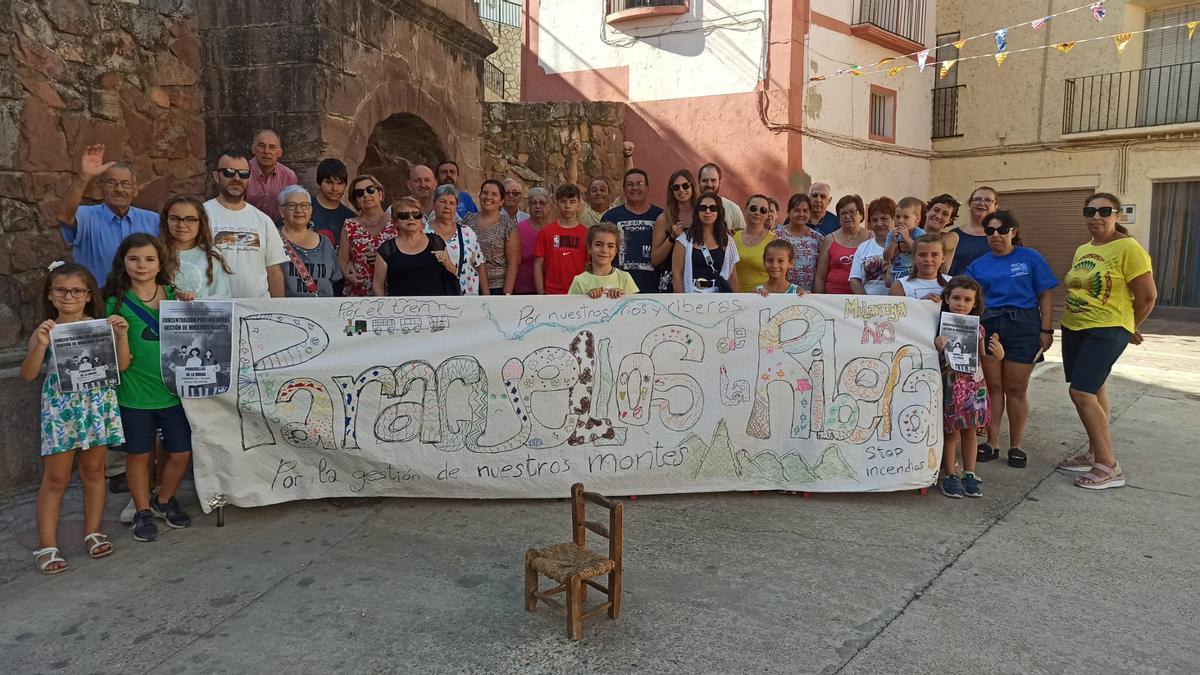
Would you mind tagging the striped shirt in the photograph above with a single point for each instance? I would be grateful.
(262, 191)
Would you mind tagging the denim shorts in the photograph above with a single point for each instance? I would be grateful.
(1088, 356)
(142, 426)
(1019, 331)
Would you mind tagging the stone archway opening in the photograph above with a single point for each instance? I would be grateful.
(398, 143)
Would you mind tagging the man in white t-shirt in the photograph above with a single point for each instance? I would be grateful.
(709, 176)
(245, 236)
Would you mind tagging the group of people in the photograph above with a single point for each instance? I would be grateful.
(265, 235)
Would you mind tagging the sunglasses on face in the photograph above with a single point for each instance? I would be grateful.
(406, 215)
(680, 187)
(369, 190)
(244, 174)
(710, 208)
(758, 209)
(1104, 211)
(1003, 229)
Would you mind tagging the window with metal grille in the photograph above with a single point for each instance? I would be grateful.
(883, 115)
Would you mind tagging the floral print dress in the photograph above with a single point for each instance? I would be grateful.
(363, 242)
(804, 266)
(472, 256)
(965, 398)
(83, 419)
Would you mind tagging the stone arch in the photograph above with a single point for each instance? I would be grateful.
(399, 104)
(397, 143)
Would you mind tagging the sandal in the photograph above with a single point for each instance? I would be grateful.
(986, 453)
(1078, 463)
(1017, 458)
(97, 541)
(1101, 477)
(52, 556)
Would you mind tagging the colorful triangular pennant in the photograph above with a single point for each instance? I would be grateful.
(1038, 23)
(1122, 41)
(946, 66)
(1191, 26)
(856, 70)
(922, 57)
(959, 43)
(1098, 10)
(1001, 40)
(1000, 58)
(1064, 47)
(892, 72)
(886, 59)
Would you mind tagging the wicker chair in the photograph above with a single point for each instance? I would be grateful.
(573, 565)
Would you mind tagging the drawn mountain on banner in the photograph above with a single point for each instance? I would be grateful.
(716, 458)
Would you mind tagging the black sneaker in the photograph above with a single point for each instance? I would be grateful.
(144, 528)
(171, 513)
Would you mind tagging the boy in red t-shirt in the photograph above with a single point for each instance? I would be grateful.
(561, 250)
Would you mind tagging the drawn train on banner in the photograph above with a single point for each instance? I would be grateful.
(476, 397)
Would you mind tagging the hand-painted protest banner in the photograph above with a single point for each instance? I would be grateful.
(196, 347)
(521, 397)
(85, 355)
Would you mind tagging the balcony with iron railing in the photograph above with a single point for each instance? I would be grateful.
(1132, 99)
(617, 11)
(945, 112)
(898, 25)
(502, 12)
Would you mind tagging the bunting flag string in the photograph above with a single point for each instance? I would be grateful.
(1121, 40)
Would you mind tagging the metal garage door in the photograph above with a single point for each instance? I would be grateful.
(1051, 222)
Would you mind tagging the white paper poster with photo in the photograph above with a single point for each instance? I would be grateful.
(84, 355)
(962, 341)
(196, 339)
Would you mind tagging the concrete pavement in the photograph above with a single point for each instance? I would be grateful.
(1037, 576)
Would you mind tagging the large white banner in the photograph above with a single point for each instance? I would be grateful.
(521, 397)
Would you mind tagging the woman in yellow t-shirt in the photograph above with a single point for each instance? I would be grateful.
(752, 241)
(1110, 291)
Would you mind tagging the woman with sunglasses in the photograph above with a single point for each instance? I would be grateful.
(750, 242)
(972, 242)
(805, 241)
(413, 262)
(1017, 304)
(362, 236)
(312, 267)
(838, 248)
(497, 232)
(705, 257)
(673, 221)
(1110, 292)
(462, 244)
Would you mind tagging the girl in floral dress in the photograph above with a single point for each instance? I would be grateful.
(84, 422)
(964, 395)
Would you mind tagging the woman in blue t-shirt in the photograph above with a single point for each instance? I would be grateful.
(1016, 285)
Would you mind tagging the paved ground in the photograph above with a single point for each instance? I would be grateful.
(1038, 576)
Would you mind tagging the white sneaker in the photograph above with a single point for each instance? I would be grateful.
(127, 512)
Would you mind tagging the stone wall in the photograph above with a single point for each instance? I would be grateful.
(529, 141)
(74, 73)
(507, 58)
(324, 73)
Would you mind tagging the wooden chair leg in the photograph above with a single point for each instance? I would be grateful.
(614, 594)
(575, 608)
(531, 586)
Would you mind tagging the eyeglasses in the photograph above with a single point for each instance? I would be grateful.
(230, 173)
(114, 184)
(982, 200)
(1104, 211)
(190, 221)
(710, 208)
(406, 215)
(1003, 229)
(62, 292)
(637, 184)
(758, 209)
(680, 187)
(512, 193)
(297, 206)
(369, 190)
(847, 215)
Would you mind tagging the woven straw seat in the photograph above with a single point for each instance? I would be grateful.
(575, 566)
(560, 562)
